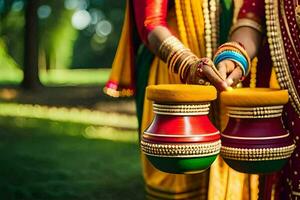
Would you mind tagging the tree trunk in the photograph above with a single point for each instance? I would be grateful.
(31, 72)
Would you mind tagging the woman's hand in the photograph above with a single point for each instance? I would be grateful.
(230, 72)
(203, 72)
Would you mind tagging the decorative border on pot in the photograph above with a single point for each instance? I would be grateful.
(261, 154)
(181, 150)
(255, 112)
(181, 109)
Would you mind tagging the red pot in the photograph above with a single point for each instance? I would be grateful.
(181, 138)
(254, 140)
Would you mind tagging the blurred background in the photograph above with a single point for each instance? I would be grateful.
(60, 136)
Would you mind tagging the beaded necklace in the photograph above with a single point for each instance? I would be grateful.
(277, 51)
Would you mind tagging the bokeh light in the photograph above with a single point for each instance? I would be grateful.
(103, 28)
(81, 19)
(44, 11)
(97, 15)
(76, 4)
(97, 42)
(17, 6)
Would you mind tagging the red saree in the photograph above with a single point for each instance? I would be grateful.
(281, 50)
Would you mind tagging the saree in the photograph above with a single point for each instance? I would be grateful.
(199, 31)
(279, 58)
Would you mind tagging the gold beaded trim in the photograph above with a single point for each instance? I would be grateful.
(255, 112)
(181, 109)
(295, 193)
(181, 150)
(257, 154)
(277, 51)
(210, 15)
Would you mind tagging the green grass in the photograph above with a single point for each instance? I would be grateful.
(76, 115)
(59, 76)
(75, 77)
(44, 159)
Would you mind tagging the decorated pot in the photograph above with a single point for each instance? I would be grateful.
(181, 139)
(254, 140)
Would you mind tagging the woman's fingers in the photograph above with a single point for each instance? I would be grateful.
(222, 69)
(214, 77)
(225, 67)
(234, 77)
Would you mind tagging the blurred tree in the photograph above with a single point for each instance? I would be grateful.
(57, 35)
(31, 71)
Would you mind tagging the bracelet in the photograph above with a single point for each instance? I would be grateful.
(246, 22)
(238, 55)
(234, 56)
(177, 56)
(238, 47)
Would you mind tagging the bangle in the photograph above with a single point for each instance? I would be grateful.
(238, 52)
(246, 22)
(178, 58)
(234, 56)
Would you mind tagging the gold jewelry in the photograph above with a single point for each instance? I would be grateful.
(207, 28)
(245, 22)
(277, 51)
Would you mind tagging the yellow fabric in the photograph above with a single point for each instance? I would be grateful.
(122, 67)
(253, 73)
(180, 93)
(224, 183)
(273, 80)
(255, 97)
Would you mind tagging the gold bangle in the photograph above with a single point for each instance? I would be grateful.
(183, 65)
(175, 59)
(167, 46)
(246, 22)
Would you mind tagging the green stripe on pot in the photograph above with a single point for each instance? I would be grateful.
(182, 165)
(256, 167)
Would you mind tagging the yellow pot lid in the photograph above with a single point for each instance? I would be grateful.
(254, 97)
(173, 93)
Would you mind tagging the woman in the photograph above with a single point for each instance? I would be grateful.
(180, 33)
(271, 31)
